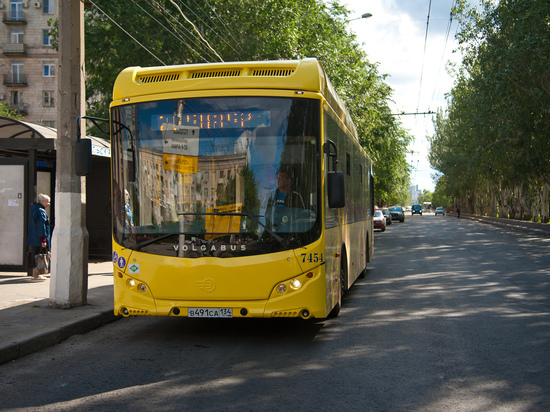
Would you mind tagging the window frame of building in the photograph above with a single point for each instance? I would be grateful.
(16, 9)
(48, 69)
(17, 71)
(17, 36)
(46, 38)
(16, 98)
(48, 7)
(48, 98)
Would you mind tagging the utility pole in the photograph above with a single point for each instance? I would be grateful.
(69, 272)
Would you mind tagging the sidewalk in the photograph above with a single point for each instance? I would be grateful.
(541, 229)
(28, 324)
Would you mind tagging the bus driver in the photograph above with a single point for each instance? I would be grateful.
(280, 200)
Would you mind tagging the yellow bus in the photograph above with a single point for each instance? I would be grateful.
(239, 190)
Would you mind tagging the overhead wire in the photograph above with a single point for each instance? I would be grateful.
(126, 32)
(220, 18)
(183, 31)
(424, 57)
(182, 37)
(212, 29)
(197, 30)
(444, 49)
(447, 33)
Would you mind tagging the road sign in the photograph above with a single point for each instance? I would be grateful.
(180, 140)
(179, 163)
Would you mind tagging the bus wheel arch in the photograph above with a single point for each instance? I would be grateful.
(342, 283)
(367, 258)
(344, 287)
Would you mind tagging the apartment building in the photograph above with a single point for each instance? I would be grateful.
(28, 62)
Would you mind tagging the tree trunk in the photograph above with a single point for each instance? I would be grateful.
(544, 204)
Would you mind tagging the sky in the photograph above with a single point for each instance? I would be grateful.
(395, 38)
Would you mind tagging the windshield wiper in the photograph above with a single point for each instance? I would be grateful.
(167, 235)
(272, 233)
(155, 240)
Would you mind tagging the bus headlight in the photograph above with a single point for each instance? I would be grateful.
(295, 284)
(142, 288)
(131, 283)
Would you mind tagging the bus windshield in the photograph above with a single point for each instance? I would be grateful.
(219, 176)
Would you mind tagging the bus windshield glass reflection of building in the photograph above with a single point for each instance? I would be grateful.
(200, 174)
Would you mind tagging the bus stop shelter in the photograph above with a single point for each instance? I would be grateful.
(27, 168)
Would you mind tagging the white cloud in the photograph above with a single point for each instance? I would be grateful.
(395, 37)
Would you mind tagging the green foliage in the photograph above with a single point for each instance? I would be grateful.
(495, 133)
(7, 111)
(425, 196)
(240, 30)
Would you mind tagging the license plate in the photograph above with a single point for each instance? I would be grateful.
(210, 312)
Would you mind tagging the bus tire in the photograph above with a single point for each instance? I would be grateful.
(335, 310)
(343, 273)
(343, 283)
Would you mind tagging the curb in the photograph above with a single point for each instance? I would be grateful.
(42, 340)
(541, 229)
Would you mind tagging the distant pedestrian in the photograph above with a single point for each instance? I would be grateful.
(38, 236)
(458, 212)
(128, 209)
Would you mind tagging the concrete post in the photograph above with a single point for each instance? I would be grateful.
(69, 277)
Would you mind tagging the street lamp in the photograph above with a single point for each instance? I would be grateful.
(363, 16)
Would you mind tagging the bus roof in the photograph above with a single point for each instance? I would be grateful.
(299, 75)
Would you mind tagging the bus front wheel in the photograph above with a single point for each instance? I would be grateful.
(343, 284)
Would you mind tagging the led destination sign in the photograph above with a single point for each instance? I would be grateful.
(214, 120)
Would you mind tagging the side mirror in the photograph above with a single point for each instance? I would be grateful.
(336, 189)
(83, 147)
(83, 157)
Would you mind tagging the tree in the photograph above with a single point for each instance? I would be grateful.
(492, 144)
(233, 30)
(7, 111)
(425, 196)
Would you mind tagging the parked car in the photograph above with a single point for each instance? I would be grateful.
(387, 215)
(379, 220)
(440, 211)
(397, 213)
(416, 209)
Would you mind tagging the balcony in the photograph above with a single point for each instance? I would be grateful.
(15, 80)
(14, 17)
(14, 48)
(22, 109)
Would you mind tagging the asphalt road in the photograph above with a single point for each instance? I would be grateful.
(452, 316)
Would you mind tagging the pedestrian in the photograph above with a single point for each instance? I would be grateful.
(458, 212)
(128, 209)
(38, 236)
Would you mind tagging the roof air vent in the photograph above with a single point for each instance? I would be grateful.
(208, 74)
(159, 78)
(273, 72)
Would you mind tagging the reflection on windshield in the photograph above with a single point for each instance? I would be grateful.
(217, 176)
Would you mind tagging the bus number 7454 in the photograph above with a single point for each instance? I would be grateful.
(312, 257)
